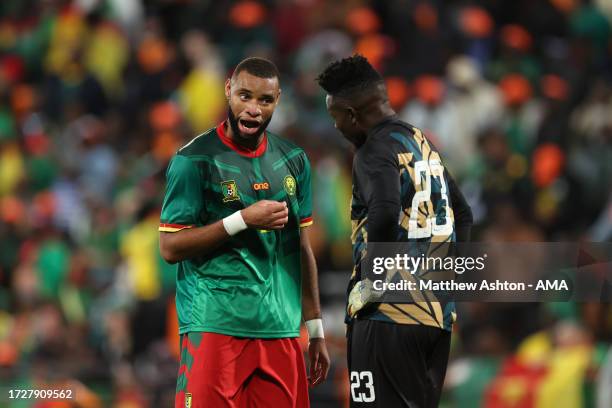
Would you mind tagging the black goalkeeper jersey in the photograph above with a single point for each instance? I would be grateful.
(402, 192)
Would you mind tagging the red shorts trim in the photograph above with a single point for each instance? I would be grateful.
(222, 371)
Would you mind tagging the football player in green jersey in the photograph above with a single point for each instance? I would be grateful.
(234, 218)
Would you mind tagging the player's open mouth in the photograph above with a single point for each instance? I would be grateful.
(248, 127)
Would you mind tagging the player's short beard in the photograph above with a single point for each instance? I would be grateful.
(233, 121)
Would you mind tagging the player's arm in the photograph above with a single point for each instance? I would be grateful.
(378, 175)
(191, 242)
(311, 308)
(461, 211)
(188, 243)
(180, 235)
(311, 312)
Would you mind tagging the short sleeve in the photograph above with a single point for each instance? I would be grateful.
(304, 194)
(183, 204)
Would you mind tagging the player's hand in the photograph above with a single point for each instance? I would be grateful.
(319, 361)
(363, 292)
(266, 214)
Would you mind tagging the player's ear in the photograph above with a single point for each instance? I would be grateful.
(278, 96)
(352, 114)
(228, 88)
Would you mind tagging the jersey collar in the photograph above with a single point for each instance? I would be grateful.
(380, 125)
(261, 149)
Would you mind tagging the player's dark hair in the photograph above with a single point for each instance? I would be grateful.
(348, 75)
(260, 67)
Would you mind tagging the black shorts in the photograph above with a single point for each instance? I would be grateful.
(396, 365)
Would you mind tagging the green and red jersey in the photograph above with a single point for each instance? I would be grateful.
(251, 285)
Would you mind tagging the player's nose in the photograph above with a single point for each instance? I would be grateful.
(253, 110)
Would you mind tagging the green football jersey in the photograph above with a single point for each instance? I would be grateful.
(251, 285)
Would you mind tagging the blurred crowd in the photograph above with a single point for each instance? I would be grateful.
(97, 95)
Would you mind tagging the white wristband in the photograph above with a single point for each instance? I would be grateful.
(234, 223)
(315, 329)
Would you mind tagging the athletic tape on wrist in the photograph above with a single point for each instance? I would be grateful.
(234, 223)
(315, 329)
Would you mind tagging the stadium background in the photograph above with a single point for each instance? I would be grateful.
(96, 95)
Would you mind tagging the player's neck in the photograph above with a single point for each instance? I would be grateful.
(377, 115)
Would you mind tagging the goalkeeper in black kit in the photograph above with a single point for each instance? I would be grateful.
(402, 192)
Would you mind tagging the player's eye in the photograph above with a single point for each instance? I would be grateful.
(244, 97)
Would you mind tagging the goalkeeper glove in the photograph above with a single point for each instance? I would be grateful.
(362, 294)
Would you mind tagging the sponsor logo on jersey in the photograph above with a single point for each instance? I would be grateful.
(188, 400)
(261, 186)
(230, 191)
(289, 184)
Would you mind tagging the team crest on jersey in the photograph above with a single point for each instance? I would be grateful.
(230, 191)
(289, 184)
(188, 400)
